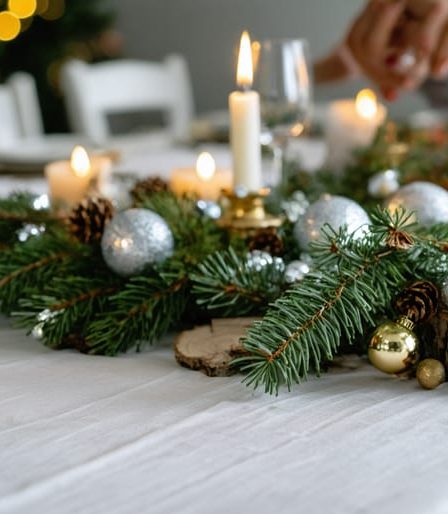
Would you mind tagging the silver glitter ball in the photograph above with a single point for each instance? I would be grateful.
(444, 293)
(296, 271)
(383, 184)
(209, 209)
(295, 206)
(41, 202)
(258, 260)
(38, 331)
(335, 211)
(30, 230)
(134, 239)
(428, 201)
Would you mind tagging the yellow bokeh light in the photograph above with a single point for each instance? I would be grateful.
(55, 10)
(22, 8)
(42, 6)
(9, 26)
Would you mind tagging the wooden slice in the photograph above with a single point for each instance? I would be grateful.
(210, 349)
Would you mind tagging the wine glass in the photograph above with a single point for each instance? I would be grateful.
(283, 78)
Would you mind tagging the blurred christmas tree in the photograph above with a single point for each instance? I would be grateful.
(38, 36)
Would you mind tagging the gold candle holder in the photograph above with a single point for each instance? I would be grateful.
(247, 214)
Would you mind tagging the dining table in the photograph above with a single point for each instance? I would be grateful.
(138, 433)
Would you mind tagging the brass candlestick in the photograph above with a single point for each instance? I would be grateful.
(247, 214)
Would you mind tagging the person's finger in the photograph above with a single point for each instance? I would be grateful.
(360, 27)
(430, 30)
(439, 67)
(382, 28)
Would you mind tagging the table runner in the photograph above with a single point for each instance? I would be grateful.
(138, 433)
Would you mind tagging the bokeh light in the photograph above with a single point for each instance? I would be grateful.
(55, 10)
(9, 26)
(22, 8)
(42, 6)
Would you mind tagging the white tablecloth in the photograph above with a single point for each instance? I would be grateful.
(138, 433)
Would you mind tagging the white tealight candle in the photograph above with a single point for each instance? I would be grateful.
(245, 124)
(70, 181)
(351, 125)
(205, 180)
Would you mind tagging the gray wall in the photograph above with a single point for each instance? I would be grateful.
(206, 32)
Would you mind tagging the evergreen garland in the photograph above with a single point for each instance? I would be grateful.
(62, 292)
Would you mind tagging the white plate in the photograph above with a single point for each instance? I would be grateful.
(34, 154)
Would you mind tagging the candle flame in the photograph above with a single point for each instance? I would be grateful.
(366, 104)
(205, 166)
(80, 162)
(245, 71)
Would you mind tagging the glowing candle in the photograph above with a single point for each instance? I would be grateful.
(205, 180)
(352, 124)
(71, 181)
(245, 124)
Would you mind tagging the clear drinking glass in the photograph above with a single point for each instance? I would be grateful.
(283, 78)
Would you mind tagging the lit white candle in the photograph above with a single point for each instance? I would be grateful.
(352, 124)
(205, 180)
(245, 124)
(70, 181)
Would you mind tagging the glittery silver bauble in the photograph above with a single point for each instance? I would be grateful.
(428, 201)
(383, 184)
(444, 293)
(209, 209)
(258, 260)
(30, 230)
(295, 206)
(335, 211)
(134, 239)
(296, 271)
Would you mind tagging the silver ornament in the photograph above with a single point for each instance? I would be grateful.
(258, 261)
(427, 200)
(444, 293)
(209, 209)
(38, 331)
(295, 206)
(134, 239)
(30, 230)
(335, 211)
(383, 184)
(41, 202)
(296, 271)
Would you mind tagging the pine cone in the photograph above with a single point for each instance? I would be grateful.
(266, 240)
(149, 186)
(89, 219)
(419, 302)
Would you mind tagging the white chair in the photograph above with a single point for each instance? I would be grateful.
(94, 91)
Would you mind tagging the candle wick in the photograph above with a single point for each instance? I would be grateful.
(245, 88)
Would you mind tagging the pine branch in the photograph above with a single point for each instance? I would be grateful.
(227, 285)
(30, 266)
(196, 236)
(305, 326)
(140, 313)
(65, 307)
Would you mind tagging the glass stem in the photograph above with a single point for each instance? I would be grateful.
(280, 165)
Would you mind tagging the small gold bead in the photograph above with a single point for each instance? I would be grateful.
(430, 373)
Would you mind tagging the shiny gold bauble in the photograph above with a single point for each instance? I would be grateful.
(430, 373)
(394, 346)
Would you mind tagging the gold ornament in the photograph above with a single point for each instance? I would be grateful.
(394, 346)
(430, 373)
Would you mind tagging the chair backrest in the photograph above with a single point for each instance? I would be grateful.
(9, 119)
(96, 90)
(23, 87)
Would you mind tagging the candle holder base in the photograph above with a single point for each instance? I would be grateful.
(247, 214)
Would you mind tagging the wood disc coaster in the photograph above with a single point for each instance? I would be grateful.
(211, 348)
